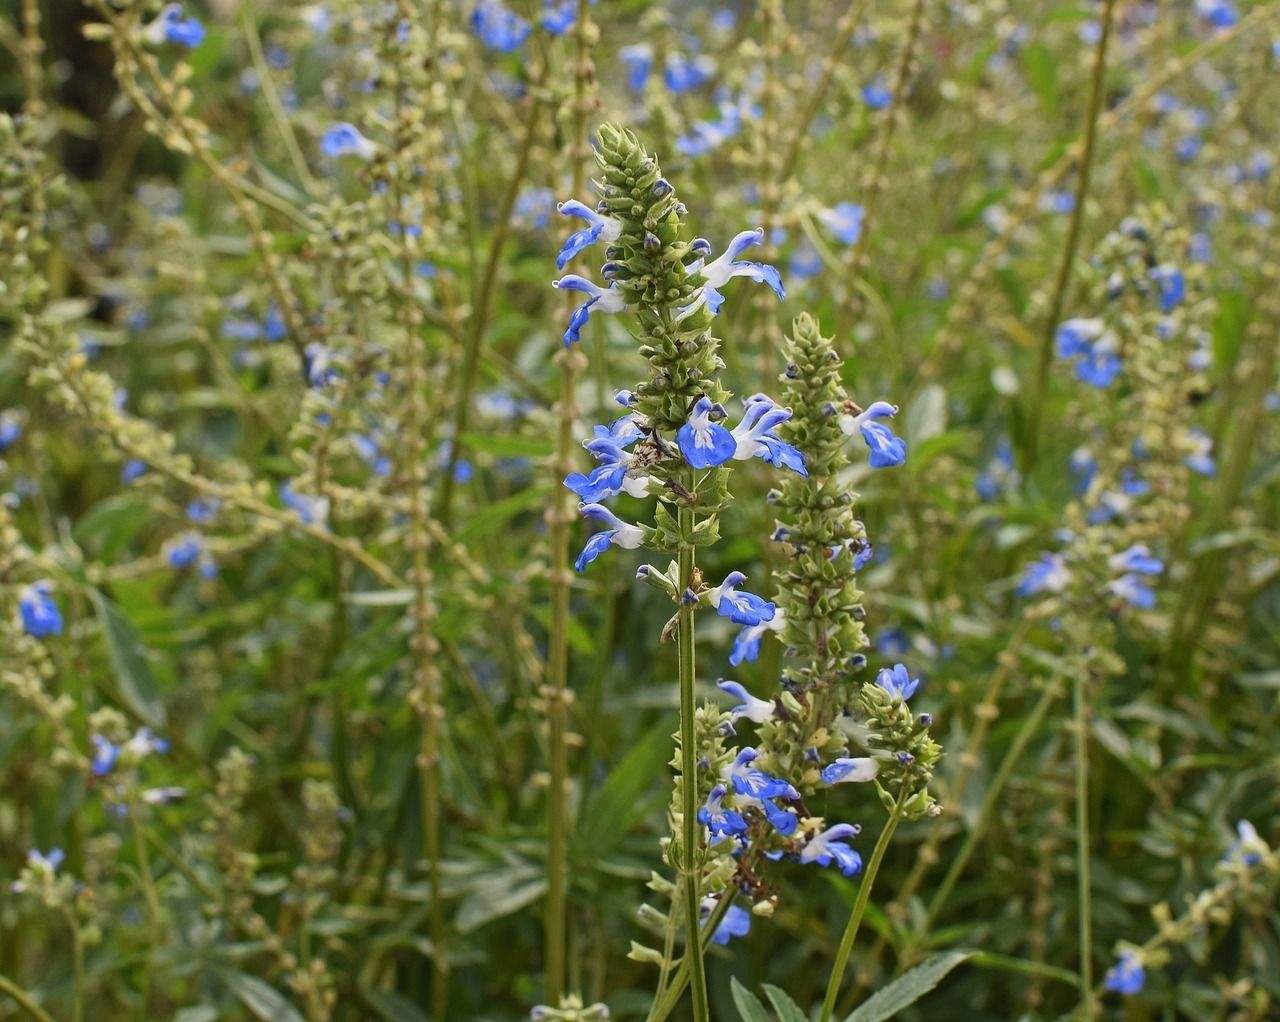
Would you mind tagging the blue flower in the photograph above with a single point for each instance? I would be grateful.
(1171, 284)
(828, 848)
(1127, 976)
(847, 770)
(638, 61)
(783, 820)
(887, 450)
(720, 271)
(345, 140)
(736, 922)
(105, 755)
(533, 207)
(876, 94)
(805, 263)
(132, 469)
(1134, 591)
(718, 820)
(498, 27)
(558, 16)
(1200, 459)
(317, 364)
(755, 437)
(40, 614)
(704, 443)
(1075, 337)
(51, 861)
(755, 710)
(310, 510)
(612, 476)
(203, 510)
(1059, 200)
(1047, 575)
(1083, 468)
(897, 681)
(1137, 558)
(599, 228)
(684, 75)
(746, 646)
(184, 551)
(1248, 848)
(753, 784)
(1218, 13)
(371, 454)
(10, 429)
(601, 299)
(739, 607)
(844, 220)
(619, 533)
(172, 25)
(1099, 367)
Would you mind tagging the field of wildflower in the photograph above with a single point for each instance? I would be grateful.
(740, 511)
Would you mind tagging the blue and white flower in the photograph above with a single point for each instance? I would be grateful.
(609, 299)
(1137, 558)
(876, 94)
(1171, 285)
(345, 140)
(499, 27)
(721, 270)
(1248, 848)
(684, 74)
(105, 756)
(704, 443)
(40, 614)
(719, 820)
(746, 645)
(897, 681)
(599, 228)
(1134, 591)
(310, 510)
(617, 533)
(887, 450)
(638, 61)
(736, 922)
(851, 770)
(844, 221)
(740, 607)
(1049, 574)
(755, 710)
(1127, 976)
(1200, 459)
(755, 436)
(829, 848)
(10, 428)
(185, 550)
(173, 26)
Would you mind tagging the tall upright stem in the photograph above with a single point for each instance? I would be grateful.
(1083, 881)
(859, 910)
(690, 862)
(558, 694)
(151, 898)
(1045, 354)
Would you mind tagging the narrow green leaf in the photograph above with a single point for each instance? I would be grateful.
(787, 1009)
(908, 988)
(749, 1007)
(264, 1001)
(393, 1007)
(619, 802)
(135, 684)
(497, 896)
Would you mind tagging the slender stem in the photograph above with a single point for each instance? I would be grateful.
(665, 1002)
(1084, 883)
(24, 1000)
(859, 909)
(691, 838)
(272, 95)
(558, 695)
(150, 896)
(1045, 354)
(77, 965)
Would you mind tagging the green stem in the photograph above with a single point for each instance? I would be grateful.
(150, 896)
(859, 909)
(77, 965)
(1063, 278)
(690, 843)
(1082, 846)
(665, 1003)
(24, 1000)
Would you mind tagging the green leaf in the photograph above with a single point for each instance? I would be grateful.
(508, 446)
(787, 1009)
(908, 988)
(264, 1001)
(619, 802)
(393, 1007)
(135, 684)
(491, 518)
(498, 895)
(1041, 67)
(749, 1007)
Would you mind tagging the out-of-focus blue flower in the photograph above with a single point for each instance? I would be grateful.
(897, 681)
(1218, 13)
(1127, 976)
(829, 848)
(10, 429)
(1171, 284)
(533, 207)
(892, 642)
(876, 94)
(558, 16)
(1200, 459)
(345, 140)
(1058, 200)
(638, 61)
(1083, 467)
(131, 470)
(310, 510)
(40, 614)
(1047, 575)
(184, 551)
(1248, 848)
(499, 27)
(318, 365)
(706, 136)
(173, 26)
(684, 74)
(805, 262)
(203, 510)
(844, 221)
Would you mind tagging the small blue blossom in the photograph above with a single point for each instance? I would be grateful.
(752, 783)
(558, 16)
(1075, 337)
(720, 271)
(203, 510)
(683, 74)
(132, 470)
(746, 645)
(736, 922)
(173, 26)
(755, 436)
(533, 207)
(1248, 848)
(40, 614)
(1133, 590)
(618, 533)
(1137, 558)
(1127, 976)
(739, 607)
(887, 450)
(1047, 575)
(876, 94)
(499, 27)
(10, 429)
(828, 848)
(310, 510)
(598, 298)
(105, 755)
(704, 443)
(1200, 459)
(897, 681)
(1171, 284)
(850, 770)
(718, 820)
(844, 221)
(707, 136)
(599, 228)
(638, 61)
(184, 551)
(755, 710)
(318, 365)
(345, 140)
(1218, 13)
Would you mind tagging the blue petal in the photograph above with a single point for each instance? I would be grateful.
(576, 242)
(783, 455)
(886, 449)
(717, 452)
(577, 321)
(603, 482)
(596, 545)
(746, 647)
